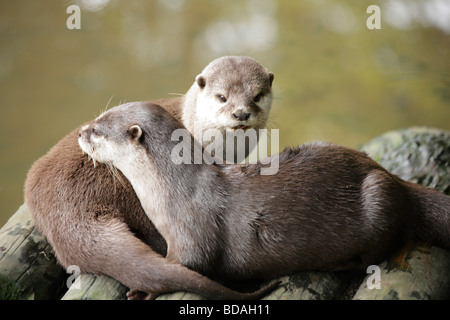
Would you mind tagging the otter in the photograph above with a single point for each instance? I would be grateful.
(328, 208)
(92, 217)
(231, 93)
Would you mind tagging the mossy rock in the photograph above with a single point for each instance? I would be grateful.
(8, 289)
(418, 154)
(419, 270)
(27, 260)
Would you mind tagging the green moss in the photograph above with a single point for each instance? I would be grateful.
(8, 289)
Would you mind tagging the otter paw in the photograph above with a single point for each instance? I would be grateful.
(140, 295)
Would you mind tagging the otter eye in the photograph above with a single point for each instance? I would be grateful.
(258, 97)
(221, 98)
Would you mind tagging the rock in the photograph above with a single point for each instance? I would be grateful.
(26, 260)
(315, 286)
(418, 154)
(92, 287)
(418, 271)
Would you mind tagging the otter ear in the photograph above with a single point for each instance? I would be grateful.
(271, 76)
(135, 132)
(201, 81)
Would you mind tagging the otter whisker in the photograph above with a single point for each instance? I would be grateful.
(107, 105)
(116, 174)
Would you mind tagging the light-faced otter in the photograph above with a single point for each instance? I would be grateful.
(328, 207)
(96, 221)
(231, 93)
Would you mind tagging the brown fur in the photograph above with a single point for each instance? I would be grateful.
(327, 208)
(94, 220)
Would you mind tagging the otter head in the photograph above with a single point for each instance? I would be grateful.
(128, 133)
(234, 93)
(115, 136)
(107, 138)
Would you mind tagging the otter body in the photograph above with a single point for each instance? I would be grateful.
(327, 208)
(93, 219)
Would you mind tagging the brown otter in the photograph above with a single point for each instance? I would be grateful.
(328, 207)
(79, 208)
(94, 223)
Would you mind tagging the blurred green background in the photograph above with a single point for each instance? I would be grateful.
(335, 79)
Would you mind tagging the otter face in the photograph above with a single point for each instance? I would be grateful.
(91, 141)
(234, 93)
(107, 141)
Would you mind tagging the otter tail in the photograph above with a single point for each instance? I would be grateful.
(116, 252)
(431, 209)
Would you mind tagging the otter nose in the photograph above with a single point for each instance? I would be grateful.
(241, 116)
(83, 130)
